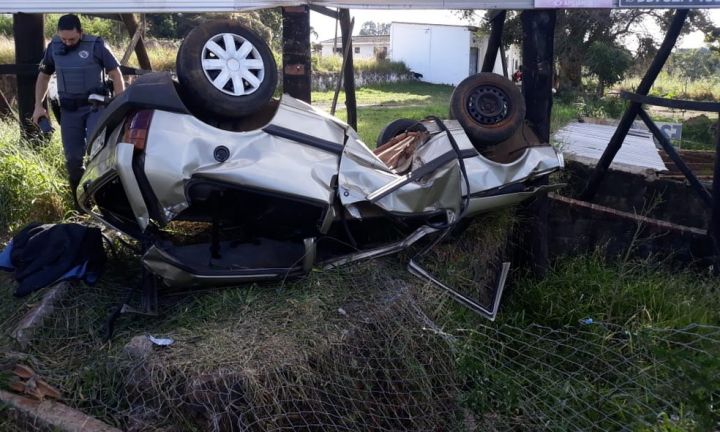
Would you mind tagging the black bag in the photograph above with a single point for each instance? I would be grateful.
(43, 254)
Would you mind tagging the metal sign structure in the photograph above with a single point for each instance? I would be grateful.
(149, 6)
(669, 4)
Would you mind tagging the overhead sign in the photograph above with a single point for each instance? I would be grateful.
(572, 4)
(669, 4)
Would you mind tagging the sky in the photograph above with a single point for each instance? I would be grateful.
(325, 26)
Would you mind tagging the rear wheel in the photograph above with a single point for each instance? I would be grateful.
(226, 70)
(396, 127)
(489, 107)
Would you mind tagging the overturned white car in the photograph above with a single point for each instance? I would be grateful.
(217, 198)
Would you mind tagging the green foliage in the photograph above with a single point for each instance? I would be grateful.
(110, 30)
(266, 22)
(694, 64)
(567, 344)
(608, 63)
(6, 25)
(333, 64)
(668, 85)
(380, 104)
(7, 50)
(32, 180)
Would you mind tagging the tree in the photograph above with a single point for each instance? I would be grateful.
(371, 28)
(576, 30)
(266, 22)
(608, 63)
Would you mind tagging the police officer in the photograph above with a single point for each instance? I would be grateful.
(79, 61)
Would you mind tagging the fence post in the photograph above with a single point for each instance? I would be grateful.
(28, 32)
(632, 110)
(538, 32)
(494, 41)
(296, 52)
(714, 229)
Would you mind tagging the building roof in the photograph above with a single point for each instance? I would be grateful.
(378, 39)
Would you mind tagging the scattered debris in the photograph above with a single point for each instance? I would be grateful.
(49, 415)
(29, 383)
(161, 341)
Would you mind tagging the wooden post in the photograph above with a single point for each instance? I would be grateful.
(132, 26)
(296, 52)
(632, 110)
(28, 32)
(494, 41)
(538, 32)
(714, 229)
(349, 71)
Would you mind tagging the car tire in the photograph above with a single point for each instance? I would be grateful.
(396, 127)
(225, 81)
(489, 107)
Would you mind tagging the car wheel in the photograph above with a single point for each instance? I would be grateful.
(489, 107)
(396, 127)
(225, 69)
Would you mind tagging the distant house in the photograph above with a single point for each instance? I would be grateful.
(444, 54)
(363, 46)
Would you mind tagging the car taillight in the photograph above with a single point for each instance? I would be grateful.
(136, 129)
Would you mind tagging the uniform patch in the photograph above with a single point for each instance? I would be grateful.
(84, 54)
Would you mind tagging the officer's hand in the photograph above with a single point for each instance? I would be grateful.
(39, 112)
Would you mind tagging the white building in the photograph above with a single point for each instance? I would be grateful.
(444, 54)
(363, 46)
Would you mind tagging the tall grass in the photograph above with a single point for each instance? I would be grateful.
(33, 184)
(7, 50)
(333, 63)
(675, 87)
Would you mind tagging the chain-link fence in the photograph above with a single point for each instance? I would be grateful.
(369, 348)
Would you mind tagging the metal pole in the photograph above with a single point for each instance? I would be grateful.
(632, 110)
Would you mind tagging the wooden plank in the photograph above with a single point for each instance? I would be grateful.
(140, 51)
(494, 41)
(346, 25)
(49, 415)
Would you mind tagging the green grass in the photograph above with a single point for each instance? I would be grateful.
(334, 63)
(596, 346)
(537, 365)
(674, 87)
(380, 104)
(33, 184)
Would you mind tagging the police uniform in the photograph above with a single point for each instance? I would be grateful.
(79, 73)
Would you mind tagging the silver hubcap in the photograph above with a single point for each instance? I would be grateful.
(232, 64)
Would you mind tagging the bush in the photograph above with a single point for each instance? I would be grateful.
(6, 24)
(32, 181)
(112, 31)
(334, 63)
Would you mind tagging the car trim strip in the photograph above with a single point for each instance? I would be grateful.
(302, 138)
